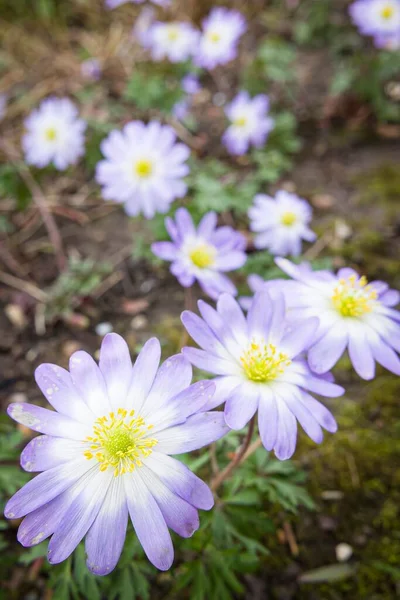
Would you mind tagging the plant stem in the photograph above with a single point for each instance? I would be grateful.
(236, 460)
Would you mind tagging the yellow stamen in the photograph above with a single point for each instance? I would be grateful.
(353, 297)
(240, 122)
(119, 442)
(262, 362)
(143, 168)
(387, 12)
(173, 33)
(50, 134)
(288, 218)
(214, 37)
(203, 255)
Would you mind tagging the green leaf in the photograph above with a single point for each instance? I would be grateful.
(328, 574)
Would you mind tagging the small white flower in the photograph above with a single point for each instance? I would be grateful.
(222, 30)
(249, 123)
(175, 41)
(54, 134)
(281, 223)
(144, 168)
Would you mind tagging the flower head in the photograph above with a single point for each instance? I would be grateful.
(202, 254)
(281, 223)
(219, 39)
(380, 18)
(190, 84)
(259, 364)
(353, 314)
(176, 41)
(91, 69)
(144, 168)
(249, 123)
(104, 454)
(54, 134)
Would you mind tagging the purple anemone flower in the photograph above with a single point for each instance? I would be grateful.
(281, 223)
(190, 84)
(353, 314)
(143, 168)
(250, 123)
(379, 18)
(259, 366)
(104, 454)
(222, 30)
(203, 254)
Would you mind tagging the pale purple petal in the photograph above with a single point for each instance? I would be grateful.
(57, 386)
(79, 516)
(144, 373)
(360, 354)
(286, 432)
(45, 452)
(106, 537)
(320, 412)
(47, 421)
(174, 376)
(303, 415)
(116, 366)
(326, 352)
(241, 405)
(180, 480)
(149, 523)
(90, 383)
(44, 487)
(180, 516)
(300, 337)
(268, 419)
(198, 431)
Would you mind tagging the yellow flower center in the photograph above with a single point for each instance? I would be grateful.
(288, 218)
(262, 362)
(214, 37)
(353, 297)
(143, 168)
(120, 442)
(387, 12)
(50, 134)
(240, 122)
(173, 33)
(203, 256)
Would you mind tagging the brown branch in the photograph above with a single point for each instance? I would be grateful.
(23, 286)
(236, 460)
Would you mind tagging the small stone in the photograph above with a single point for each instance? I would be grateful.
(16, 315)
(343, 552)
(103, 328)
(69, 347)
(327, 523)
(342, 230)
(18, 397)
(139, 322)
(323, 201)
(332, 495)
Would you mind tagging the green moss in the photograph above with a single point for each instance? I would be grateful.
(360, 461)
(379, 185)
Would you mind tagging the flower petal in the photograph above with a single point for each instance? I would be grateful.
(180, 516)
(149, 523)
(116, 366)
(320, 412)
(79, 516)
(106, 537)
(325, 353)
(45, 452)
(286, 438)
(90, 383)
(198, 431)
(300, 337)
(57, 386)
(303, 415)
(360, 353)
(241, 405)
(143, 374)
(210, 362)
(44, 487)
(180, 480)
(268, 418)
(174, 376)
(47, 421)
